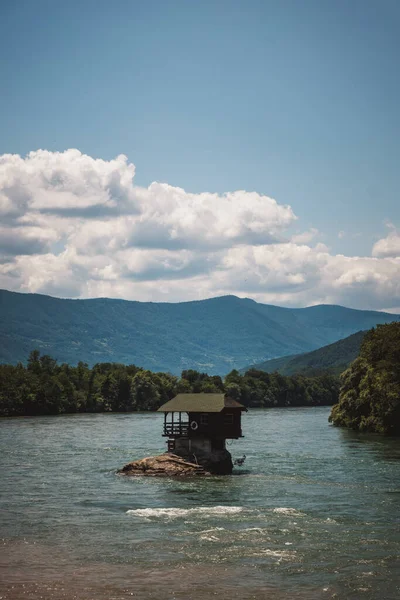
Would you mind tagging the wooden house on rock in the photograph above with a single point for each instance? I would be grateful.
(198, 425)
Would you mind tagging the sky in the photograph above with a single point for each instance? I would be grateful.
(172, 150)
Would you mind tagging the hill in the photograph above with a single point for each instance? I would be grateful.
(215, 335)
(334, 358)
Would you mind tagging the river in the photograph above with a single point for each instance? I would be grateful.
(313, 513)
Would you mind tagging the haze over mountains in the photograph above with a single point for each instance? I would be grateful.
(214, 335)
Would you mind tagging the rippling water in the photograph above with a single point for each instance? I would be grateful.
(313, 513)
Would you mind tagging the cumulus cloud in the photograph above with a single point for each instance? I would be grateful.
(76, 226)
(68, 183)
(388, 246)
(25, 240)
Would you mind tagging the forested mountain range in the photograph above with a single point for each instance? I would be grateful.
(334, 358)
(213, 336)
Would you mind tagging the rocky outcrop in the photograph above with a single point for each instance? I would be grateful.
(218, 462)
(167, 465)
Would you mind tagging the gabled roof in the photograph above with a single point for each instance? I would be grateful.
(200, 403)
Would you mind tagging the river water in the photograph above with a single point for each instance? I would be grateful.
(313, 513)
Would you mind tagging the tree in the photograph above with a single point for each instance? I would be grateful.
(109, 392)
(34, 365)
(369, 398)
(125, 399)
(44, 387)
(144, 392)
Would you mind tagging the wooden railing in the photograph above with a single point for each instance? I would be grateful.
(178, 429)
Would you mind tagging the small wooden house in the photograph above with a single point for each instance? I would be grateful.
(201, 422)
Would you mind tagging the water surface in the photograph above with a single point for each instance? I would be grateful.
(313, 513)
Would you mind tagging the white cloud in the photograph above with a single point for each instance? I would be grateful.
(306, 237)
(76, 226)
(25, 240)
(388, 246)
(68, 183)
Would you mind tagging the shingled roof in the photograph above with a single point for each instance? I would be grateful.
(200, 403)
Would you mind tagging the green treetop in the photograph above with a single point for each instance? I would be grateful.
(369, 397)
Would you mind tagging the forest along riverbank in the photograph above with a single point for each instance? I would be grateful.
(44, 387)
(313, 513)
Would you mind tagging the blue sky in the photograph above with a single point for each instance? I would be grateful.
(295, 100)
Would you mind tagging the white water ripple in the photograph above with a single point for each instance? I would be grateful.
(176, 513)
(292, 512)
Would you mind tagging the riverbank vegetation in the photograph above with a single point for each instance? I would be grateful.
(370, 388)
(44, 387)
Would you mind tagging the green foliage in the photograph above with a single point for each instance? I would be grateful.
(44, 387)
(370, 388)
(260, 389)
(144, 391)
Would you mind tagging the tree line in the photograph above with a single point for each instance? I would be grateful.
(44, 387)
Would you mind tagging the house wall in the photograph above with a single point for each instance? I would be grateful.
(198, 444)
(217, 426)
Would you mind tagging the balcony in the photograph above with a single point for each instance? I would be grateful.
(176, 429)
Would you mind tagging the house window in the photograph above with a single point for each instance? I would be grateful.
(228, 419)
(204, 419)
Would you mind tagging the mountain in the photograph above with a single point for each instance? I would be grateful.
(214, 335)
(334, 358)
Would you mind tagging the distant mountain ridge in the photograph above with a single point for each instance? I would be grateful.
(334, 358)
(214, 335)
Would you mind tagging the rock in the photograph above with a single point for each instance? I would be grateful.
(218, 462)
(167, 465)
(183, 463)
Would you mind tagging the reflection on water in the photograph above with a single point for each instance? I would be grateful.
(315, 513)
(385, 448)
